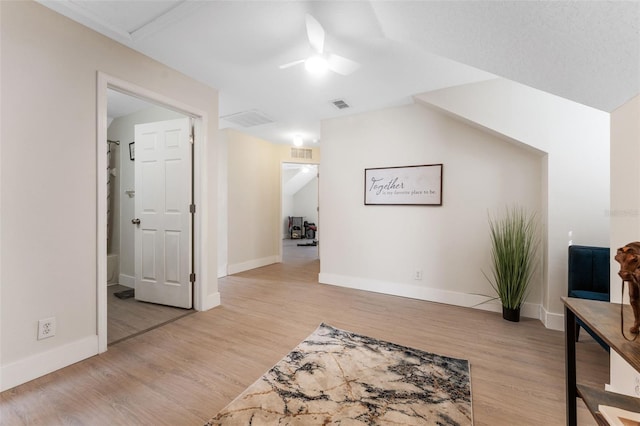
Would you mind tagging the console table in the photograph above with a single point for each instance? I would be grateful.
(604, 319)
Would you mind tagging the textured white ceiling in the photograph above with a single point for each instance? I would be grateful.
(585, 51)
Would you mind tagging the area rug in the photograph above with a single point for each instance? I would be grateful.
(338, 377)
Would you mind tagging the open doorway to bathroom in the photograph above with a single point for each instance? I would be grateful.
(300, 213)
(126, 316)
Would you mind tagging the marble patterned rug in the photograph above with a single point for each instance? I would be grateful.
(338, 377)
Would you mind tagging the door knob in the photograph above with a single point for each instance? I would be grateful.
(135, 221)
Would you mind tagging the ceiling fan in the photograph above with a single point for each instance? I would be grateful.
(320, 61)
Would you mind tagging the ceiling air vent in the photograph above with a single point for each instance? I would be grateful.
(248, 118)
(302, 153)
(340, 104)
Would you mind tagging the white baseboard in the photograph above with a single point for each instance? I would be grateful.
(32, 367)
(551, 320)
(127, 280)
(211, 301)
(222, 271)
(529, 310)
(251, 264)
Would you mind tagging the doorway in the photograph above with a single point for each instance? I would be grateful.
(131, 123)
(300, 212)
(198, 165)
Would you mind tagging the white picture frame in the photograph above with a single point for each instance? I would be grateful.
(405, 185)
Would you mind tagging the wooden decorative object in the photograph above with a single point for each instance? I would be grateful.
(629, 259)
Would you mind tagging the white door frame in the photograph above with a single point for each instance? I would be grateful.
(105, 82)
(280, 241)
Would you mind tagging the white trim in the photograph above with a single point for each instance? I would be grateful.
(1, 210)
(201, 300)
(120, 34)
(26, 369)
(551, 320)
(211, 301)
(127, 280)
(176, 14)
(251, 264)
(101, 211)
(529, 310)
(222, 271)
(87, 18)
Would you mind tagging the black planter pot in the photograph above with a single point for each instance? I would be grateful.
(511, 314)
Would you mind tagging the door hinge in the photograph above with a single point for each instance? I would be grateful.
(192, 208)
(192, 277)
(191, 138)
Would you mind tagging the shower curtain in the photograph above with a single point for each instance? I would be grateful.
(112, 153)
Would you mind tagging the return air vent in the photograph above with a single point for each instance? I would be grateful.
(340, 104)
(249, 118)
(302, 153)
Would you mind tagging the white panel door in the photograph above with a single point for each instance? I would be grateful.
(162, 199)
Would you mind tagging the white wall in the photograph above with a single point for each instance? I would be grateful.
(378, 248)
(48, 189)
(299, 194)
(625, 215)
(287, 211)
(123, 129)
(576, 170)
(305, 202)
(287, 203)
(286, 174)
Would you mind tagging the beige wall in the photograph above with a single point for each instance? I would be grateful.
(575, 186)
(379, 248)
(624, 215)
(48, 179)
(254, 200)
(253, 185)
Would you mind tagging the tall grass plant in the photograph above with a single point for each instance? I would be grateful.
(514, 244)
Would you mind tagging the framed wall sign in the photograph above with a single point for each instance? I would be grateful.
(132, 151)
(409, 185)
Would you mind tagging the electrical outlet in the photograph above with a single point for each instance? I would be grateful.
(637, 386)
(417, 275)
(46, 328)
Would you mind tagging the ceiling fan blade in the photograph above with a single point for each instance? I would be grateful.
(315, 32)
(290, 64)
(342, 65)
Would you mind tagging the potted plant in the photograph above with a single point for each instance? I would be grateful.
(514, 243)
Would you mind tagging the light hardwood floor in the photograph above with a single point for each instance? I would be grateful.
(129, 317)
(184, 372)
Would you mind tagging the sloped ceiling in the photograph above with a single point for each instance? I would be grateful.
(297, 176)
(585, 51)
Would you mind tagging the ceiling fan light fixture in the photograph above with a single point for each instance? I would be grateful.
(316, 65)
